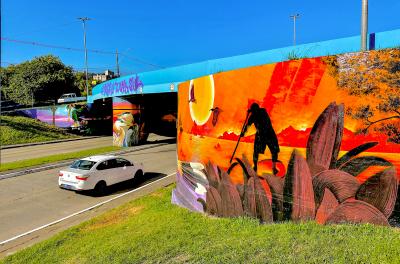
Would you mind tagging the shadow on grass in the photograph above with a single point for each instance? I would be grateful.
(129, 185)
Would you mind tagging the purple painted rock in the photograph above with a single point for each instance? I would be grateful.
(340, 183)
(231, 202)
(357, 212)
(381, 191)
(298, 193)
(323, 144)
(276, 185)
(327, 207)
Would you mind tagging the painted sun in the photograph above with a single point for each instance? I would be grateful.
(201, 99)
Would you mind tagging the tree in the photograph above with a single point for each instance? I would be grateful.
(80, 82)
(375, 76)
(43, 78)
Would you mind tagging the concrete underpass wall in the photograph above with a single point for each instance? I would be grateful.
(89, 119)
(307, 139)
(63, 116)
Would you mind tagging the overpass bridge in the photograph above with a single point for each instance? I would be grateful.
(147, 102)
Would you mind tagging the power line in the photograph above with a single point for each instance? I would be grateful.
(33, 43)
(141, 61)
(54, 46)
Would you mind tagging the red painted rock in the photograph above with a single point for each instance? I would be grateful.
(231, 202)
(327, 207)
(249, 199)
(212, 175)
(323, 144)
(357, 212)
(276, 185)
(380, 190)
(213, 202)
(340, 183)
(263, 206)
(298, 193)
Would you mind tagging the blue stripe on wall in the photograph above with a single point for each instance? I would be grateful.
(159, 81)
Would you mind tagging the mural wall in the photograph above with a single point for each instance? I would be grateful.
(309, 139)
(64, 116)
(126, 122)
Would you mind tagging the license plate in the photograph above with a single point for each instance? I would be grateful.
(68, 187)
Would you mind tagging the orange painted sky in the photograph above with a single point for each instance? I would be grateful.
(294, 94)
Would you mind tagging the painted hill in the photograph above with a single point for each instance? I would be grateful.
(291, 137)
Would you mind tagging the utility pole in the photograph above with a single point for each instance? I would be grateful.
(116, 53)
(364, 25)
(294, 17)
(84, 19)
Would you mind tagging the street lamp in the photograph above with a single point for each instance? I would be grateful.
(294, 17)
(364, 25)
(84, 19)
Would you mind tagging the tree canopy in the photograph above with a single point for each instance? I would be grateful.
(375, 76)
(43, 78)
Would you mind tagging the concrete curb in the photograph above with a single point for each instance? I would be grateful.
(48, 142)
(63, 163)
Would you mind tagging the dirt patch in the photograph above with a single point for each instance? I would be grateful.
(113, 218)
(179, 259)
(157, 194)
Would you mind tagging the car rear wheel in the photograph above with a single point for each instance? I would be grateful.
(139, 175)
(101, 188)
(137, 178)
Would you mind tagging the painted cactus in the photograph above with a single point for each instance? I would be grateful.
(322, 187)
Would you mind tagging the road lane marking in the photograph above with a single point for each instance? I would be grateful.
(82, 211)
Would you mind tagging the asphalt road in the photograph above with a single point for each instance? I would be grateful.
(37, 151)
(33, 200)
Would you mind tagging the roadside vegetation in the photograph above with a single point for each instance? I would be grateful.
(152, 230)
(19, 130)
(54, 158)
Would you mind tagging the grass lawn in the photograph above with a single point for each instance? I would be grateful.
(152, 230)
(53, 158)
(19, 130)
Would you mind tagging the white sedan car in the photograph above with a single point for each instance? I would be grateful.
(98, 172)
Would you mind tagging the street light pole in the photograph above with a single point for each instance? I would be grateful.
(364, 25)
(294, 17)
(84, 19)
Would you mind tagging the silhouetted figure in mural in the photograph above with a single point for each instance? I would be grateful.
(265, 135)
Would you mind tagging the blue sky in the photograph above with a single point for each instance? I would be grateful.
(176, 32)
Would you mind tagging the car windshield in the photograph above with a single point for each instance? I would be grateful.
(82, 164)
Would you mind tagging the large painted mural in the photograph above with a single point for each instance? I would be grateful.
(64, 116)
(308, 139)
(127, 124)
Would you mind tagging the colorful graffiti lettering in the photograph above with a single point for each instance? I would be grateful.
(114, 88)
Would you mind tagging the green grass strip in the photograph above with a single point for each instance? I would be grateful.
(53, 158)
(152, 230)
(20, 130)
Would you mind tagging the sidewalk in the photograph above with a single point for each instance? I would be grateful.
(48, 142)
